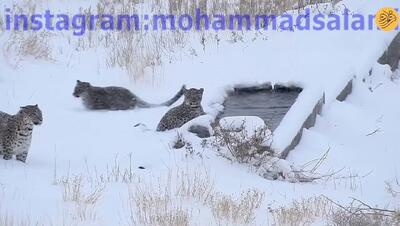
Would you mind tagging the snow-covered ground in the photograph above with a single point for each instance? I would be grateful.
(360, 133)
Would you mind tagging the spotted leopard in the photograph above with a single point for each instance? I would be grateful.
(190, 109)
(114, 98)
(16, 132)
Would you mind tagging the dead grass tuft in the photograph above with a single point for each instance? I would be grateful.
(84, 199)
(27, 45)
(241, 211)
(301, 212)
(243, 146)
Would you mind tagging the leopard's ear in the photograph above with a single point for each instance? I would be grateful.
(202, 90)
(78, 81)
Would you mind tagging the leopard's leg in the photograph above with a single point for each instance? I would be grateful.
(7, 153)
(8, 144)
(22, 156)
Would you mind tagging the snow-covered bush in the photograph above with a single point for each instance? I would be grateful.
(241, 140)
(247, 140)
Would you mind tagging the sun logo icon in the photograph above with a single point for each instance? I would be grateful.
(387, 19)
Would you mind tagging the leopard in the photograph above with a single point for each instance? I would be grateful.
(114, 98)
(190, 109)
(16, 132)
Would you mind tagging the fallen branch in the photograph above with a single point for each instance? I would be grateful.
(364, 209)
(375, 131)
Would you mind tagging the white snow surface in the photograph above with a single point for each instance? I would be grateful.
(236, 123)
(360, 133)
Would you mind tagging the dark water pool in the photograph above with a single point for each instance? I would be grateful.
(270, 105)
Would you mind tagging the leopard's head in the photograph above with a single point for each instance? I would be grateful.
(80, 88)
(193, 97)
(33, 113)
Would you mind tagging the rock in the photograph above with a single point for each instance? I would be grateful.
(200, 131)
(392, 54)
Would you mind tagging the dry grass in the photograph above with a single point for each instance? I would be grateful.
(138, 52)
(243, 7)
(6, 220)
(182, 197)
(134, 51)
(241, 211)
(84, 198)
(323, 209)
(243, 146)
(301, 212)
(393, 187)
(27, 45)
(9, 219)
(196, 186)
(2, 24)
(116, 174)
(167, 203)
(22, 220)
(360, 213)
(184, 194)
(157, 208)
(342, 217)
(74, 191)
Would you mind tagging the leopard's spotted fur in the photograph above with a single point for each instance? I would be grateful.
(190, 109)
(16, 132)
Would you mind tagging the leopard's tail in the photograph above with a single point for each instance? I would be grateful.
(144, 104)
